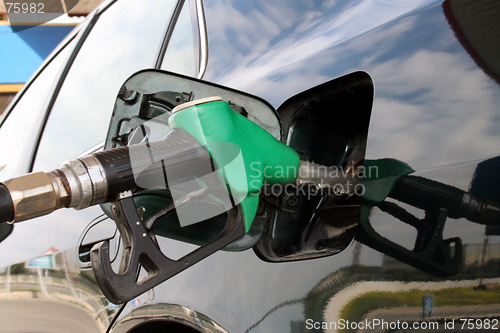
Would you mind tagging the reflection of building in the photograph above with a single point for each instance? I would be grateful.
(23, 52)
(46, 261)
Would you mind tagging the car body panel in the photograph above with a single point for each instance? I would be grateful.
(434, 109)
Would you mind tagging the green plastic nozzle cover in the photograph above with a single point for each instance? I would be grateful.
(261, 157)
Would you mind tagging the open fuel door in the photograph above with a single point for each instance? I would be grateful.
(328, 126)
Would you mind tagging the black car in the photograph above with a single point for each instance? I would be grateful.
(401, 95)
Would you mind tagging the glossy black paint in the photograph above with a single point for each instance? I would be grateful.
(428, 93)
(434, 108)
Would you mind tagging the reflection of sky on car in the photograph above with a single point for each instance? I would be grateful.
(255, 44)
(442, 102)
(179, 56)
(426, 86)
(118, 46)
(13, 140)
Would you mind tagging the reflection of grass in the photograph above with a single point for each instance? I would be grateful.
(361, 305)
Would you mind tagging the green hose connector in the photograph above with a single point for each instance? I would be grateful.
(379, 184)
(225, 133)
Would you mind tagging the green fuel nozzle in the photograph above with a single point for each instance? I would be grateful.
(260, 157)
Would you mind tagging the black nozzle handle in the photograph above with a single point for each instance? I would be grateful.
(6, 205)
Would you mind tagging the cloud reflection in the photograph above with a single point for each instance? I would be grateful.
(432, 102)
(433, 106)
(252, 44)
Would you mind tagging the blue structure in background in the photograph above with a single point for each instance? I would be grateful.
(42, 262)
(21, 53)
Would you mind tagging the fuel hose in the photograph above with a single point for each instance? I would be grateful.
(100, 177)
(426, 193)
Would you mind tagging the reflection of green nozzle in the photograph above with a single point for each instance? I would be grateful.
(211, 121)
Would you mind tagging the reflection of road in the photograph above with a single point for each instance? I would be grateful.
(413, 314)
(44, 316)
(337, 302)
(57, 291)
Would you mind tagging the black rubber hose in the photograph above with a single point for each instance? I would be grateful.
(177, 158)
(6, 205)
(428, 194)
